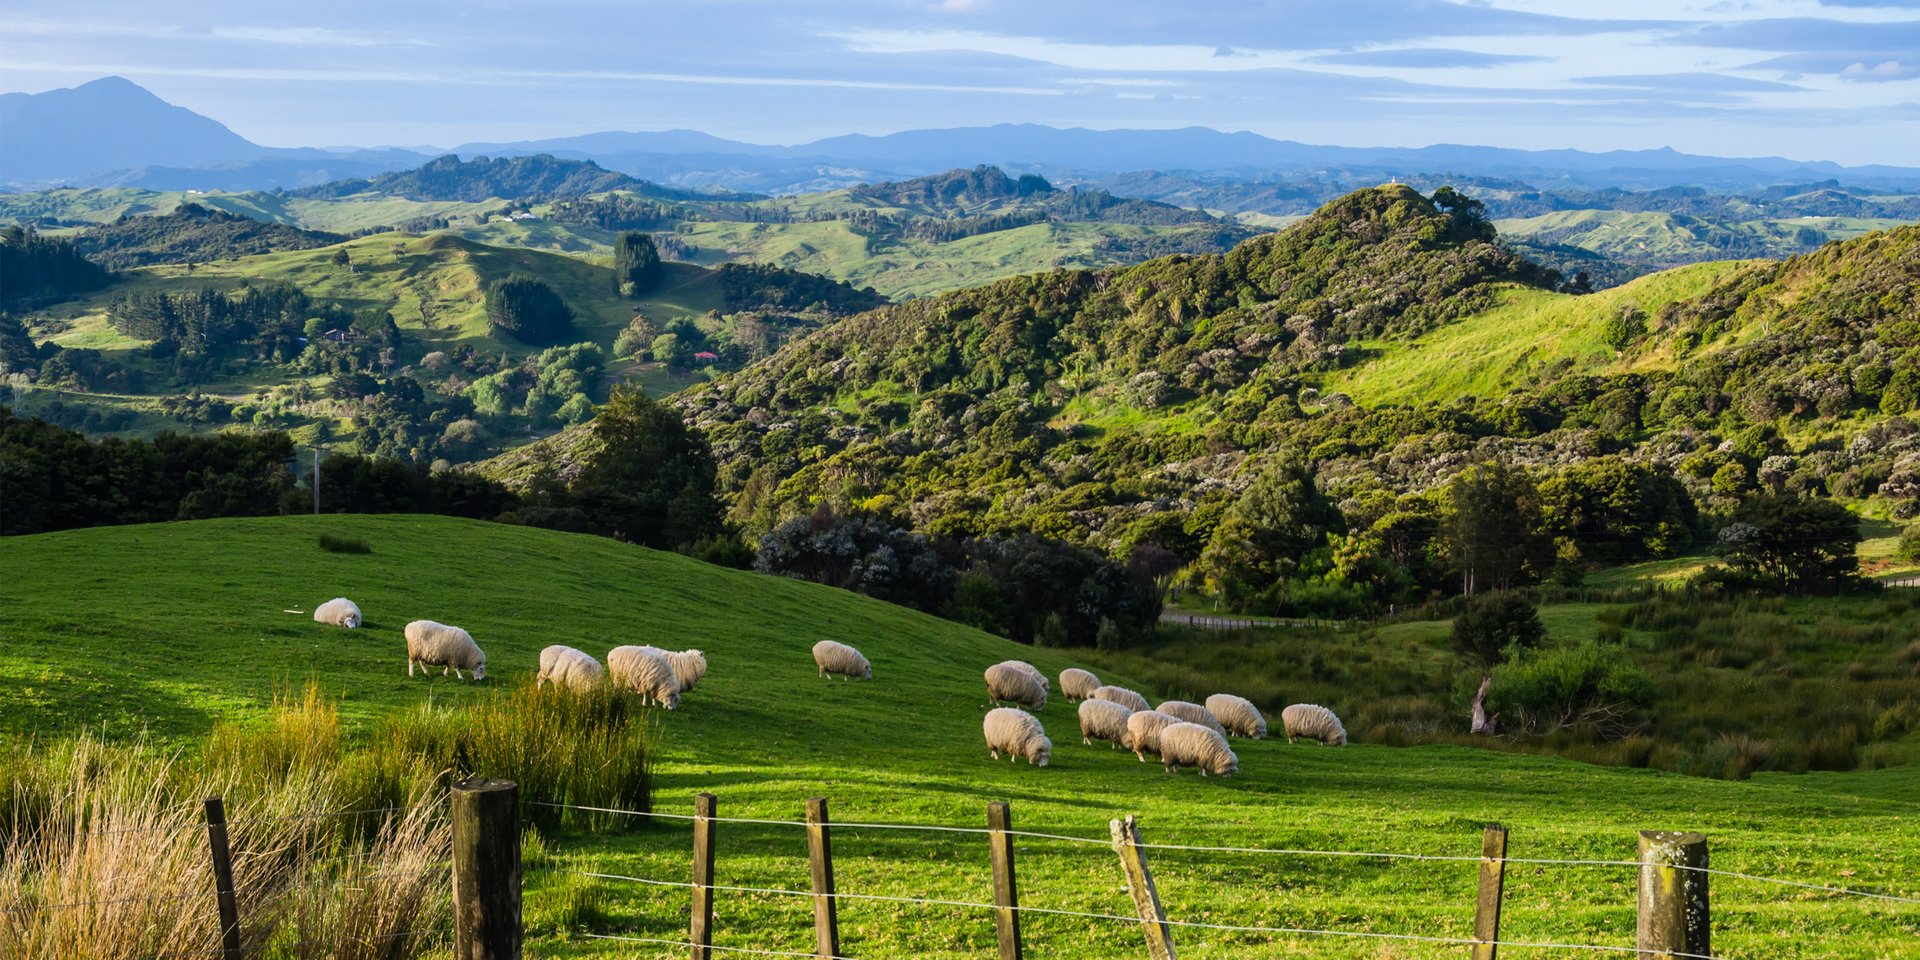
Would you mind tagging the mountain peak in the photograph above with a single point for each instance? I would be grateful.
(106, 125)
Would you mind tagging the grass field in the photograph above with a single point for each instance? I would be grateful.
(170, 628)
(1529, 332)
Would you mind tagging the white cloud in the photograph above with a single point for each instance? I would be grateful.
(314, 37)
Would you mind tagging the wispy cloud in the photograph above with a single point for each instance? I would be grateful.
(316, 37)
(1428, 58)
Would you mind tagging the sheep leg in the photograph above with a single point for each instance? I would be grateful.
(994, 752)
(409, 666)
(1086, 740)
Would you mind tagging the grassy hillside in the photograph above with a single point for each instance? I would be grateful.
(1667, 238)
(1528, 334)
(170, 627)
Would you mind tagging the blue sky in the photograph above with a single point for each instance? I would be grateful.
(1808, 79)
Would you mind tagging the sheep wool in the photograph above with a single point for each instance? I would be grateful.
(688, 665)
(1143, 732)
(432, 644)
(1192, 713)
(1238, 715)
(838, 658)
(1016, 733)
(1007, 683)
(569, 669)
(1122, 696)
(1077, 684)
(1031, 671)
(1312, 721)
(1103, 720)
(1194, 745)
(339, 612)
(646, 671)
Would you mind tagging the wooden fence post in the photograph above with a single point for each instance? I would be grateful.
(1673, 900)
(223, 878)
(1006, 899)
(486, 869)
(1493, 881)
(826, 918)
(701, 932)
(1146, 898)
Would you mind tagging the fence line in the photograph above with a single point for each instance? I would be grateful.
(1276, 851)
(1195, 924)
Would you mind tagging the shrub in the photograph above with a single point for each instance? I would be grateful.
(333, 544)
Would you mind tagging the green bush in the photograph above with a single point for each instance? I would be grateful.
(1587, 685)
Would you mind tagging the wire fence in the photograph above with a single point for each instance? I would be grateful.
(1274, 851)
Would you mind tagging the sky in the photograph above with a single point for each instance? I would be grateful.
(1805, 79)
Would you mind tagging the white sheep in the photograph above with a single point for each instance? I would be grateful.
(1195, 745)
(1313, 722)
(1122, 696)
(1192, 713)
(1238, 715)
(838, 658)
(339, 612)
(645, 671)
(1143, 732)
(431, 644)
(1031, 671)
(1077, 684)
(1007, 683)
(1017, 733)
(1103, 720)
(688, 665)
(570, 669)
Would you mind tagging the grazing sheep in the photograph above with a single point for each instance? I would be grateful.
(1313, 722)
(1019, 734)
(1143, 732)
(1007, 683)
(565, 667)
(1194, 745)
(1122, 696)
(838, 658)
(645, 671)
(1192, 713)
(339, 612)
(431, 644)
(1031, 671)
(1077, 684)
(688, 665)
(1238, 715)
(1103, 720)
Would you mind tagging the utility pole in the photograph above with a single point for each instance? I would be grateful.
(316, 480)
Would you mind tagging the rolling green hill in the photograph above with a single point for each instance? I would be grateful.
(172, 627)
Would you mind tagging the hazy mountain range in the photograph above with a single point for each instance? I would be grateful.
(112, 132)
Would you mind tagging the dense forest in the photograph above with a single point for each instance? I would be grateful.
(36, 269)
(484, 178)
(191, 234)
(1172, 405)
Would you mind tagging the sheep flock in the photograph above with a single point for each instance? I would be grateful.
(1178, 732)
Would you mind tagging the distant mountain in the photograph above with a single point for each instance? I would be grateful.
(111, 132)
(508, 178)
(106, 125)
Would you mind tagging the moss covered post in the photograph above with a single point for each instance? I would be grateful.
(1673, 896)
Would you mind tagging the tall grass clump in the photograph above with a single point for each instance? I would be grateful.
(105, 850)
(335, 544)
(561, 746)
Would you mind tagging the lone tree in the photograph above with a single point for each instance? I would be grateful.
(1492, 628)
(652, 480)
(1493, 529)
(528, 311)
(340, 258)
(1801, 545)
(636, 264)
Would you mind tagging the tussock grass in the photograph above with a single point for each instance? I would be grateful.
(333, 544)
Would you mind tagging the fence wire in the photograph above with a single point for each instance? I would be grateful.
(1273, 851)
(1190, 924)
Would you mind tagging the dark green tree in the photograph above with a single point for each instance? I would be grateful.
(1281, 516)
(1486, 633)
(528, 311)
(1802, 545)
(652, 479)
(1493, 528)
(340, 257)
(636, 264)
